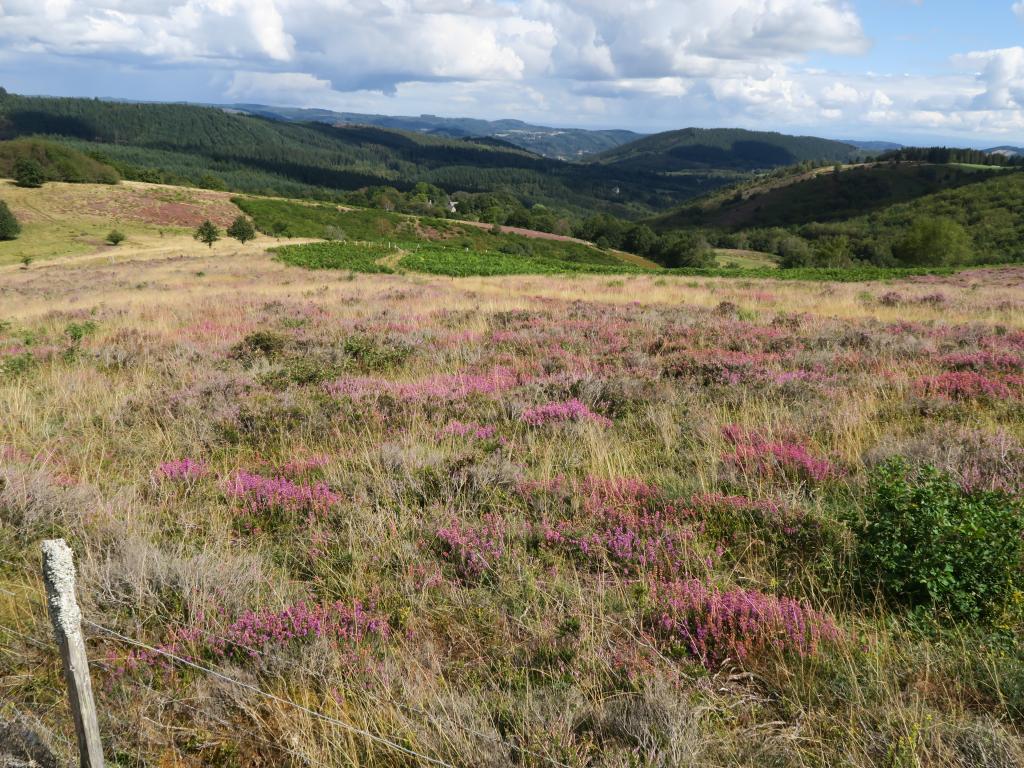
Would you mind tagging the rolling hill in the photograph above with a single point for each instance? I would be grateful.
(820, 195)
(206, 146)
(558, 143)
(863, 213)
(723, 148)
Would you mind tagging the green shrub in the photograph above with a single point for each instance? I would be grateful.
(28, 173)
(9, 226)
(76, 332)
(115, 237)
(266, 343)
(929, 544)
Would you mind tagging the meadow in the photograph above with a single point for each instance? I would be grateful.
(532, 520)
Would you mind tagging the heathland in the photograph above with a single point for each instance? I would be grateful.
(565, 518)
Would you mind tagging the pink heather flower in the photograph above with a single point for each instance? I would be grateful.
(473, 549)
(260, 495)
(754, 453)
(188, 470)
(258, 633)
(983, 361)
(969, 385)
(571, 410)
(258, 629)
(714, 625)
(623, 521)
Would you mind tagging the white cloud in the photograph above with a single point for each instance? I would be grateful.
(1002, 75)
(647, 64)
(356, 43)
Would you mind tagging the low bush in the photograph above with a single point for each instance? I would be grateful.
(927, 543)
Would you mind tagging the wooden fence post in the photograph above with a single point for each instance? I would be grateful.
(59, 576)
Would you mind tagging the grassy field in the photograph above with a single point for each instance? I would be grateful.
(488, 519)
(623, 519)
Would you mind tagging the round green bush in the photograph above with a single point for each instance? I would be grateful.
(929, 544)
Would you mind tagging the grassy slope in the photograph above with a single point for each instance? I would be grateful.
(61, 220)
(744, 259)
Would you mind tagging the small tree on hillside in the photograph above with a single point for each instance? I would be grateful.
(686, 249)
(28, 173)
(115, 237)
(934, 241)
(208, 233)
(242, 230)
(9, 226)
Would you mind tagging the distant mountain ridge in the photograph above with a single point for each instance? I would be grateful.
(558, 143)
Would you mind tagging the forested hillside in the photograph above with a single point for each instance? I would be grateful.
(724, 148)
(204, 146)
(819, 196)
(887, 215)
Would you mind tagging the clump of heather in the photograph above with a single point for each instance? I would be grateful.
(984, 360)
(473, 550)
(969, 385)
(625, 522)
(714, 626)
(259, 495)
(752, 453)
(268, 628)
(182, 470)
(556, 413)
(266, 632)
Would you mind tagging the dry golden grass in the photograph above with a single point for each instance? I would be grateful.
(550, 656)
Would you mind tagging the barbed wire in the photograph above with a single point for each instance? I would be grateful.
(168, 699)
(493, 738)
(271, 696)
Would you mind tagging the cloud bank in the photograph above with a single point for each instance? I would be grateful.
(564, 61)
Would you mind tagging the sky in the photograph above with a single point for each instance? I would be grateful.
(913, 71)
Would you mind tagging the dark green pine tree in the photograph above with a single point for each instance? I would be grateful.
(9, 226)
